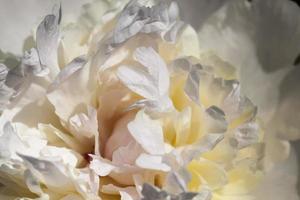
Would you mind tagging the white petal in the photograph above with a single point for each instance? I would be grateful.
(215, 120)
(152, 83)
(32, 61)
(127, 154)
(12, 179)
(136, 17)
(125, 196)
(246, 135)
(138, 81)
(177, 180)
(74, 87)
(126, 193)
(67, 71)
(148, 133)
(31, 99)
(93, 12)
(220, 67)
(73, 43)
(116, 58)
(66, 156)
(182, 125)
(150, 192)
(120, 136)
(101, 166)
(191, 87)
(85, 125)
(189, 43)
(56, 137)
(205, 144)
(51, 173)
(47, 38)
(33, 184)
(87, 183)
(72, 197)
(152, 162)
(235, 105)
(155, 66)
(19, 139)
(10, 143)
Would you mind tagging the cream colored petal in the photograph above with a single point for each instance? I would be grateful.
(73, 43)
(73, 89)
(12, 180)
(87, 183)
(47, 40)
(66, 156)
(50, 173)
(137, 18)
(84, 125)
(221, 68)
(10, 142)
(126, 193)
(123, 174)
(241, 182)
(101, 166)
(148, 133)
(138, 81)
(203, 145)
(182, 125)
(208, 174)
(127, 154)
(192, 84)
(115, 59)
(152, 162)
(34, 185)
(120, 137)
(31, 99)
(59, 138)
(156, 67)
(188, 43)
(150, 82)
(72, 197)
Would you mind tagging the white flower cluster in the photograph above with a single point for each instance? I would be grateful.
(129, 103)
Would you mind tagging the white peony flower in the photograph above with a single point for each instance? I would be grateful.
(130, 102)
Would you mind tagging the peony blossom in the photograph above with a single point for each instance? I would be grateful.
(129, 101)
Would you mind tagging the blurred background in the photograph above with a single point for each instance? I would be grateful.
(296, 144)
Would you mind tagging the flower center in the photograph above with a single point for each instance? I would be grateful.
(120, 136)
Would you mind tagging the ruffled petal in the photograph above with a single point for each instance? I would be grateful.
(75, 99)
(148, 133)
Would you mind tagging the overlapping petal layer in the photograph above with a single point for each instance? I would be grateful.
(132, 103)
